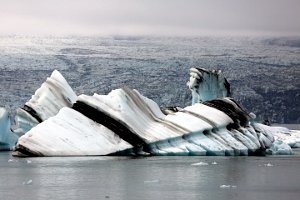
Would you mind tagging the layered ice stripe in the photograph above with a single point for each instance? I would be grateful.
(54, 94)
(7, 138)
(128, 107)
(69, 133)
(200, 120)
(162, 135)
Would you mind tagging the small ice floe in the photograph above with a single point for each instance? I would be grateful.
(151, 181)
(227, 186)
(214, 163)
(29, 182)
(268, 165)
(11, 160)
(28, 161)
(200, 164)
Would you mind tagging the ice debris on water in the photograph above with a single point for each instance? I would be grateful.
(29, 182)
(151, 181)
(269, 165)
(214, 163)
(28, 161)
(200, 164)
(228, 186)
(10, 160)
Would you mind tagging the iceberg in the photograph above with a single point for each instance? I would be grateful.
(7, 138)
(54, 94)
(124, 122)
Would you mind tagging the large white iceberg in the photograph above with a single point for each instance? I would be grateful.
(126, 123)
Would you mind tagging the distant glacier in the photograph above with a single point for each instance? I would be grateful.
(264, 72)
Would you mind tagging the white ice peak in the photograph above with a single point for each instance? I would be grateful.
(54, 94)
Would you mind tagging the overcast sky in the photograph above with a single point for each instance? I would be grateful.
(159, 17)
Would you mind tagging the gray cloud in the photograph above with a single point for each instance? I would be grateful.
(175, 17)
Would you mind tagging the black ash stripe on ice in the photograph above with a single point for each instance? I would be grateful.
(140, 103)
(32, 112)
(24, 151)
(115, 125)
(232, 109)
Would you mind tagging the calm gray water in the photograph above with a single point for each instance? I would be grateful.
(275, 177)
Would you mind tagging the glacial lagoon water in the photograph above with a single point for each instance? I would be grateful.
(130, 178)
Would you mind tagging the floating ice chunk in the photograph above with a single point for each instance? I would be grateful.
(225, 186)
(228, 186)
(279, 148)
(151, 181)
(268, 165)
(290, 137)
(29, 182)
(214, 163)
(8, 139)
(200, 164)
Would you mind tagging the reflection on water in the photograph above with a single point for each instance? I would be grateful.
(274, 177)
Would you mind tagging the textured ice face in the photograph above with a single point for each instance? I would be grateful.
(7, 138)
(54, 94)
(207, 85)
